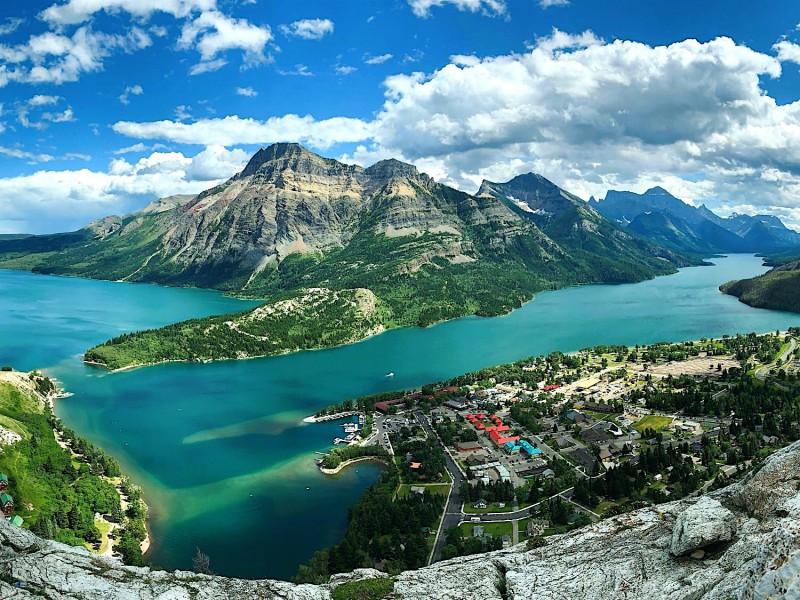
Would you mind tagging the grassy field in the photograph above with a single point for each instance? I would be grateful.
(436, 488)
(491, 508)
(497, 528)
(652, 422)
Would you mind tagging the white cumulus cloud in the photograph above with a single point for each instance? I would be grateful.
(233, 130)
(309, 29)
(79, 11)
(213, 33)
(131, 90)
(48, 200)
(422, 8)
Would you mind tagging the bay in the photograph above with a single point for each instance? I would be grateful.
(220, 449)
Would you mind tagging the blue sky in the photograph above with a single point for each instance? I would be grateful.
(108, 104)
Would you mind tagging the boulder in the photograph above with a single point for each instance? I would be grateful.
(702, 524)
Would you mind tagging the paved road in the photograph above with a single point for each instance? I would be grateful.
(762, 372)
(452, 514)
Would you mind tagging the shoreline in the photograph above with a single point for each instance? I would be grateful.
(385, 329)
(147, 542)
(352, 461)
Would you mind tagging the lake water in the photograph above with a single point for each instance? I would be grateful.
(220, 450)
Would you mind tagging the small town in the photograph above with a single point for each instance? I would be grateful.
(547, 445)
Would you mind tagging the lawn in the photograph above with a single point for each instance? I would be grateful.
(496, 528)
(491, 508)
(436, 488)
(103, 527)
(652, 422)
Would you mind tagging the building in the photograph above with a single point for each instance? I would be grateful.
(3, 481)
(480, 504)
(474, 459)
(16, 520)
(468, 446)
(528, 448)
(575, 416)
(457, 403)
(383, 407)
(506, 539)
(498, 438)
(477, 531)
(536, 527)
(7, 504)
(416, 489)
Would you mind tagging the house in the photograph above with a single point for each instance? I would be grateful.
(3, 481)
(477, 531)
(548, 473)
(605, 455)
(506, 540)
(416, 489)
(383, 407)
(7, 504)
(468, 446)
(16, 520)
(584, 458)
(535, 527)
(480, 504)
(415, 465)
(474, 460)
(457, 403)
(575, 416)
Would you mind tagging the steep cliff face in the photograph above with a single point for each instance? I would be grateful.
(741, 542)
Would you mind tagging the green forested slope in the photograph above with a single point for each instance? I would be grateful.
(778, 289)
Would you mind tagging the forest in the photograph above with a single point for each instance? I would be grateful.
(383, 531)
(55, 494)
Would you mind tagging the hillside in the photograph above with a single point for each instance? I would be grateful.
(644, 554)
(614, 254)
(293, 220)
(669, 221)
(316, 317)
(58, 481)
(778, 288)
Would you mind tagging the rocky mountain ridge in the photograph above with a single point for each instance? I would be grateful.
(669, 221)
(740, 542)
(293, 220)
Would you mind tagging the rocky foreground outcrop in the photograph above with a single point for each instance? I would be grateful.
(749, 534)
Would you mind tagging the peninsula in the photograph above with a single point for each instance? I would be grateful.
(340, 252)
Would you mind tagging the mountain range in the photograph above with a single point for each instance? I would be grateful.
(375, 248)
(670, 222)
(292, 219)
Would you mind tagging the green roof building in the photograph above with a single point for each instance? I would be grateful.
(5, 499)
(16, 520)
(3, 477)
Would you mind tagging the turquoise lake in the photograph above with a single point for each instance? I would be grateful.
(220, 450)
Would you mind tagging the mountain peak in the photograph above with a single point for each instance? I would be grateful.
(657, 191)
(391, 167)
(290, 151)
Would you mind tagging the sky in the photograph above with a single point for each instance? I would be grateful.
(106, 105)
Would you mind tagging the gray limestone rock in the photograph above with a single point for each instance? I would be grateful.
(627, 557)
(702, 524)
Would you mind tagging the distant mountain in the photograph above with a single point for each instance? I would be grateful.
(573, 224)
(669, 221)
(778, 288)
(293, 220)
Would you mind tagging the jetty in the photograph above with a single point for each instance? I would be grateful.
(333, 417)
